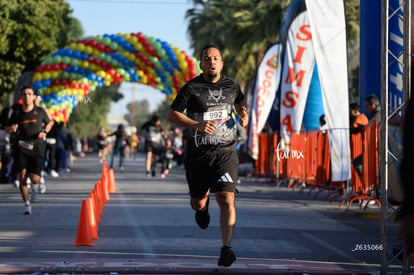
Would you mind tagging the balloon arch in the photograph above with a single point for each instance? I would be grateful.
(66, 77)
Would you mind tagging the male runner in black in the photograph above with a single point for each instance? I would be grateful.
(31, 124)
(212, 161)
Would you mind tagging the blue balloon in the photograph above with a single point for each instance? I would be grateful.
(37, 85)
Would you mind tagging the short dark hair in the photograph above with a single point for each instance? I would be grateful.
(372, 99)
(209, 46)
(24, 87)
(355, 107)
(322, 120)
(155, 118)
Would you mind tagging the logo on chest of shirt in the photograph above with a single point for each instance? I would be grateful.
(216, 95)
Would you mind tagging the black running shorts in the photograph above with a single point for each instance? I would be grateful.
(151, 147)
(215, 172)
(32, 164)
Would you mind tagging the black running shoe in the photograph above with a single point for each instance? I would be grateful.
(227, 256)
(203, 217)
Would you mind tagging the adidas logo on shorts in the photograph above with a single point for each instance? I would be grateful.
(225, 178)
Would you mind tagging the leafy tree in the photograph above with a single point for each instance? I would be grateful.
(244, 29)
(352, 30)
(30, 31)
(139, 112)
(162, 111)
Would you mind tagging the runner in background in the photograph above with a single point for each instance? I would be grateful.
(31, 124)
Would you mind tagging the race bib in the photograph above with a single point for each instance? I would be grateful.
(216, 113)
(28, 146)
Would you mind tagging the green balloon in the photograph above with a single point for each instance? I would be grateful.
(66, 60)
(113, 46)
(65, 74)
(106, 41)
(57, 59)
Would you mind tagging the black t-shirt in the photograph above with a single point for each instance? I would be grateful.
(30, 125)
(210, 101)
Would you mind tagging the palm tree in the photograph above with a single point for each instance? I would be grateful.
(244, 29)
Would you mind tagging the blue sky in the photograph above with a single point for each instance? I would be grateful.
(163, 19)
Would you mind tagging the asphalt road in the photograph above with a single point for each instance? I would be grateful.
(148, 227)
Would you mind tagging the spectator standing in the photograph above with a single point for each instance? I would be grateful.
(6, 173)
(60, 148)
(133, 142)
(50, 154)
(121, 141)
(357, 120)
(69, 141)
(373, 107)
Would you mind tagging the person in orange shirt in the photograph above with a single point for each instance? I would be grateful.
(357, 123)
(358, 120)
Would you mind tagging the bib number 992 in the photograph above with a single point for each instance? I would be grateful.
(215, 115)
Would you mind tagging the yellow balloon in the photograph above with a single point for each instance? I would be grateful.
(183, 64)
(81, 47)
(177, 51)
(88, 50)
(93, 67)
(101, 74)
(37, 77)
(46, 75)
(180, 57)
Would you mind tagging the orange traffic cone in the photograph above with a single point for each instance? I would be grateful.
(98, 210)
(111, 181)
(104, 174)
(83, 236)
(104, 189)
(92, 219)
(99, 196)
